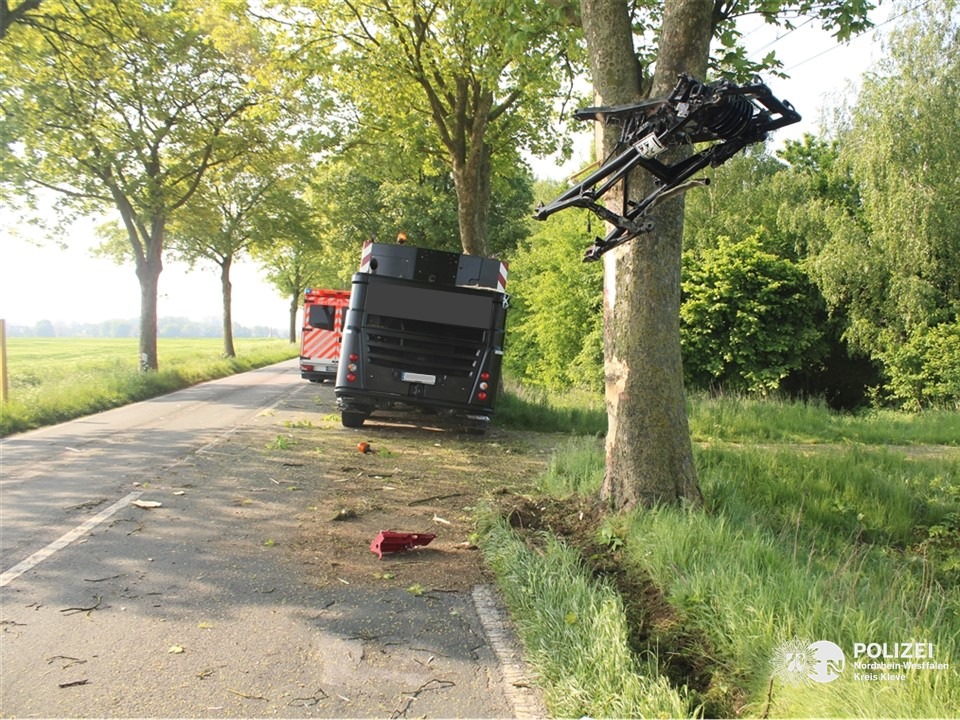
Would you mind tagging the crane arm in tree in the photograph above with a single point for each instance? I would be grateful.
(727, 116)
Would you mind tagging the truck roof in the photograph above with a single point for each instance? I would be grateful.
(436, 267)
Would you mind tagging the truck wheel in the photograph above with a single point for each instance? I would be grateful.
(352, 418)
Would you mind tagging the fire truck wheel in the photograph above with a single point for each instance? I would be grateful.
(352, 418)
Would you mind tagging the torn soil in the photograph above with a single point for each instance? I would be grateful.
(655, 628)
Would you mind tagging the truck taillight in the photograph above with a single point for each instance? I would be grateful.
(351, 377)
(353, 357)
(484, 375)
(481, 396)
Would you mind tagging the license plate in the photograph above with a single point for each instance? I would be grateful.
(419, 378)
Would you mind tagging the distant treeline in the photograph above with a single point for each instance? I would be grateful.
(168, 327)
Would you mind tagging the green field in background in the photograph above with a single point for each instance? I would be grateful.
(55, 379)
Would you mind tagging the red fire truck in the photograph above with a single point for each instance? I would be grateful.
(323, 316)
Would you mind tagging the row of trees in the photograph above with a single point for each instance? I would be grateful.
(175, 113)
(829, 268)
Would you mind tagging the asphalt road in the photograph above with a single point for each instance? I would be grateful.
(109, 609)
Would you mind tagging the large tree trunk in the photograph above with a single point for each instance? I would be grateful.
(149, 268)
(471, 179)
(294, 306)
(226, 290)
(649, 456)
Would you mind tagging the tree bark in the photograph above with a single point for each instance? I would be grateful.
(472, 167)
(148, 273)
(649, 456)
(226, 290)
(294, 306)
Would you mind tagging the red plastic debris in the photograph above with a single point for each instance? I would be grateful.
(390, 541)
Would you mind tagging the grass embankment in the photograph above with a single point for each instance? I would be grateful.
(57, 379)
(816, 527)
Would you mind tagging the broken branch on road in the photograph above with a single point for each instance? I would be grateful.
(73, 683)
(434, 684)
(88, 610)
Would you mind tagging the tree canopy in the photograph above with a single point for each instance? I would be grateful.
(462, 82)
(125, 107)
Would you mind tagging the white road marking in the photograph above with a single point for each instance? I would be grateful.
(82, 529)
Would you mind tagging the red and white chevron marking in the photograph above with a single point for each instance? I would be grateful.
(365, 255)
(321, 344)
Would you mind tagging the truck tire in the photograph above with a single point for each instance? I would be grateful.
(353, 418)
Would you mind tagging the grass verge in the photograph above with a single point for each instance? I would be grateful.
(847, 543)
(58, 379)
(577, 412)
(575, 633)
(735, 419)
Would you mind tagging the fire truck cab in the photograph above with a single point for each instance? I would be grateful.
(320, 338)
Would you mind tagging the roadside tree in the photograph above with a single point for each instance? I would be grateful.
(124, 107)
(464, 82)
(649, 457)
(903, 278)
(291, 251)
(228, 216)
(21, 12)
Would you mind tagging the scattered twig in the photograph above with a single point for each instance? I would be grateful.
(71, 661)
(421, 501)
(103, 579)
(766, 710)
(245, 696)
(89, 505)
(433, 684)
(74, 683)
(88, 610)
(310, 701)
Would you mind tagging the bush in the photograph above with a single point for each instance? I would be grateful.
(555, 327)
(924, 371)
(748, 318)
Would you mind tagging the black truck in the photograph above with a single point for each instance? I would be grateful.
(424, 330)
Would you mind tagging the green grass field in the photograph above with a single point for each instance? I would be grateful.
(56, 379)
(816, 527)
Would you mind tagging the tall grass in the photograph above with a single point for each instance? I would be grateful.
(849, 543)
(574, 630)
(57, 379)
(731, 418)
(734, 418)
(577, 412)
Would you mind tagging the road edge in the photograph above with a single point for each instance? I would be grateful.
(519, 682)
